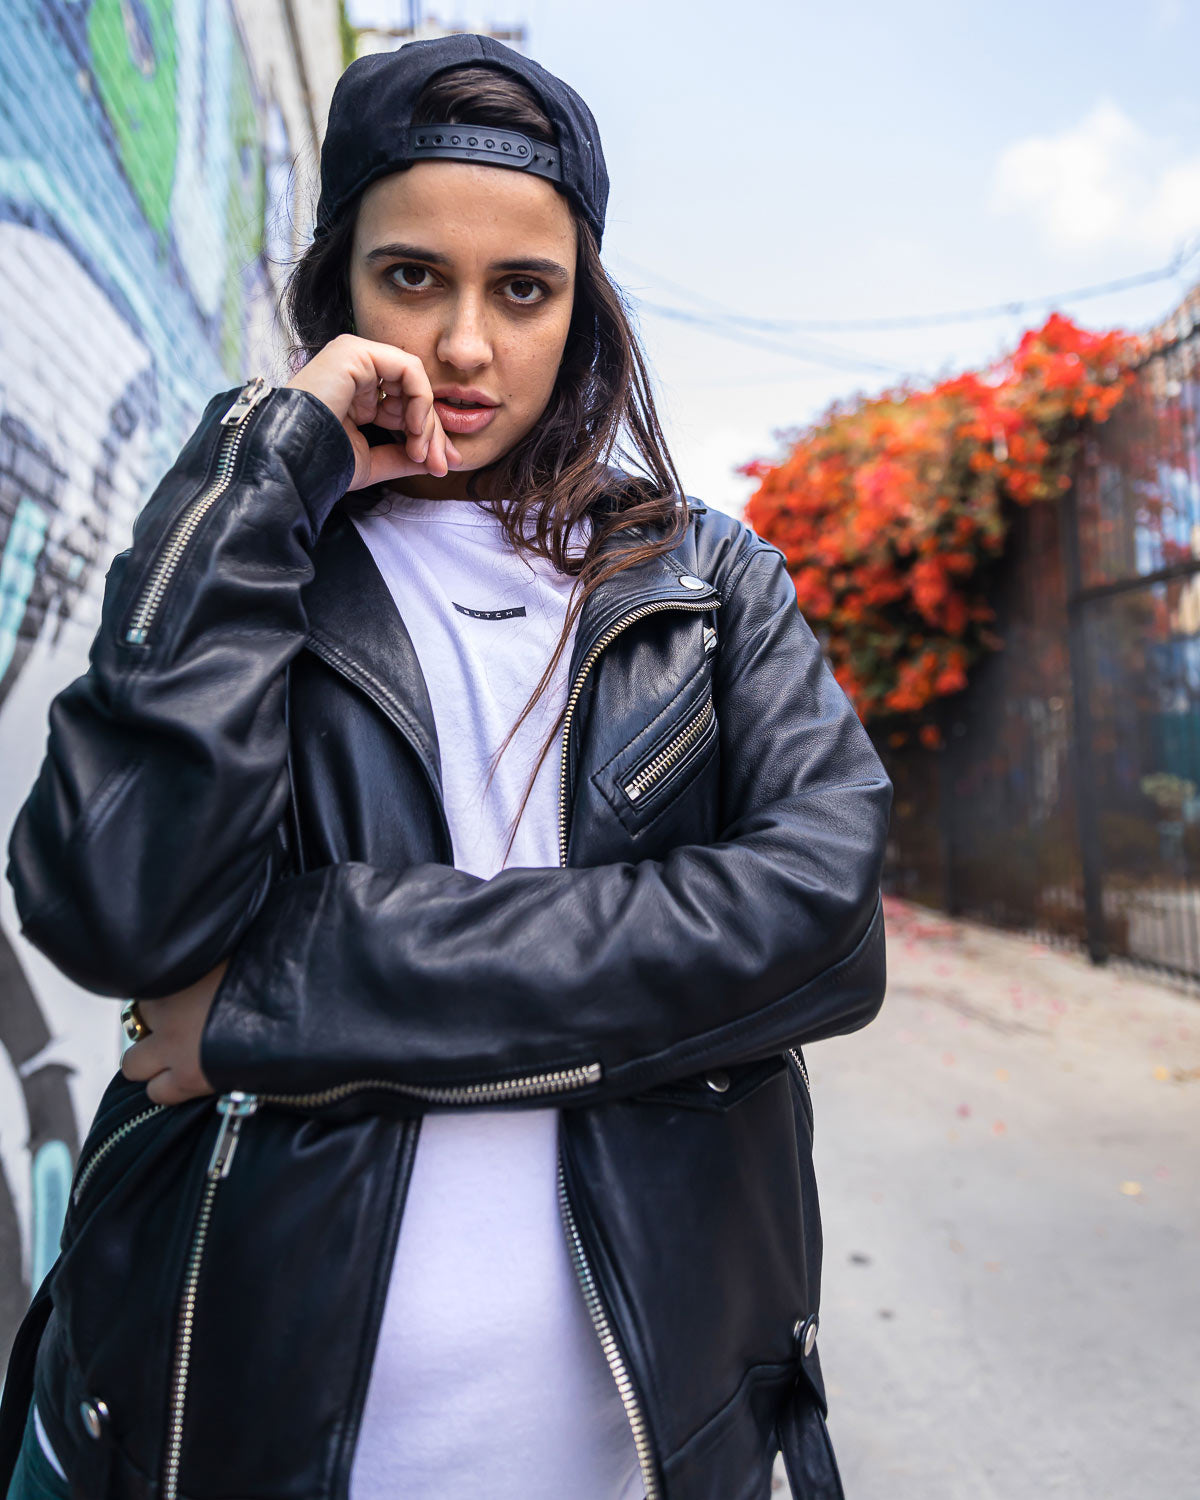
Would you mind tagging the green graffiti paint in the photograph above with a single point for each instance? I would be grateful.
(134, 68)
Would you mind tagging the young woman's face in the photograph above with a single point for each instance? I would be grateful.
(471, 268)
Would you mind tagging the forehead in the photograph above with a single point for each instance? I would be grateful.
(465, 210)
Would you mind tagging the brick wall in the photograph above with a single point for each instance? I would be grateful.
(147, 194)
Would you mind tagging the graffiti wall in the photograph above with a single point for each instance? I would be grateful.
(136, 160)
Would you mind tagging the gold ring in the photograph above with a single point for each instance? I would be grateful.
(131, 1020)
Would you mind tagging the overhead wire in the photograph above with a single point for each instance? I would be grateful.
(721, 315)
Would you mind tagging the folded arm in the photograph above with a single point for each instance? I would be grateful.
(717, 953)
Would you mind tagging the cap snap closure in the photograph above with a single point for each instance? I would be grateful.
(717, 1080)
(804, 1331)
(690, 581)
(93, 1414)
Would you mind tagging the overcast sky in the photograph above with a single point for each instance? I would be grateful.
(790, 161)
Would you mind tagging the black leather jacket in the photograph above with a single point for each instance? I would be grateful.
(249, 768)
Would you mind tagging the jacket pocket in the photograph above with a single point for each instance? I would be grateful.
(114, 1142)
(717, 1089)
(667, 757)
(109, 1151)
(656, 774)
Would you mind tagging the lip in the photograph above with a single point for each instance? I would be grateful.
(470, 393)
(454, 419)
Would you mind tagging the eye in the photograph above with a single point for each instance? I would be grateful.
(526, 291)
(410, 276)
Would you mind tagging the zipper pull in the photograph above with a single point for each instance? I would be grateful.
(710, 639)
(233, 1109)
(249, 396)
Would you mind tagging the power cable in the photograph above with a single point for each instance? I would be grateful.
(1183, 257)
(814, 354)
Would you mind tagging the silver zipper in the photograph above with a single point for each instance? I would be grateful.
(616, 1363)
(557, 1082)
(697, 606)
(151, 597)
(106, 1145)
(234, 1109)
(583, 1271)
(666, 758)
(798, 1059)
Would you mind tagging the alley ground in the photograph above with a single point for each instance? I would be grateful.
(1009, 1160)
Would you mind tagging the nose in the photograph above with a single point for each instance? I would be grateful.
(465, 343)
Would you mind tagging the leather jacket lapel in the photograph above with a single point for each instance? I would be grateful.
(354, 625)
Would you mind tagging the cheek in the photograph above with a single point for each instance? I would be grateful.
(382, 319)
(533, 364)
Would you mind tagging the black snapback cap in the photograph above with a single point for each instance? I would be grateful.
(370, 130)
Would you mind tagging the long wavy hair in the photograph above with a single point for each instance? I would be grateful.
(597, 451)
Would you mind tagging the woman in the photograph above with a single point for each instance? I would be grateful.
(481, 834)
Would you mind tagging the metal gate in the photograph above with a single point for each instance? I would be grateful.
(1067, 799)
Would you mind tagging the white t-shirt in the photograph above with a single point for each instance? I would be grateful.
(488, 1378)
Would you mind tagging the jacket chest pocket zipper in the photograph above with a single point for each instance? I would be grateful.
(153, 591)
(673, 753)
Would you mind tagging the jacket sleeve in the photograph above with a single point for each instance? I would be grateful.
(716, 954)
(149, 839)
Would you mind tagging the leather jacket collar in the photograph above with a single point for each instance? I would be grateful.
(355, 625)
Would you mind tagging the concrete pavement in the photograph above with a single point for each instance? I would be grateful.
(1009, 1160)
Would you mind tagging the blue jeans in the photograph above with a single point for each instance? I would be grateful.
(34, 1478)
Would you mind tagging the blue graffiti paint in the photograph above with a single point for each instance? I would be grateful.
(18, 569)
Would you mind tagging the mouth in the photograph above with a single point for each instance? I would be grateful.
(464, 412)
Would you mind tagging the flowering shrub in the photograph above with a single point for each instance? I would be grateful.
(888, 507)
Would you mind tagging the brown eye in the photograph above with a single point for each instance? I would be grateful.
(410, 276)
(525, 289)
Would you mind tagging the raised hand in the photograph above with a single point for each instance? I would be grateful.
(362, 381)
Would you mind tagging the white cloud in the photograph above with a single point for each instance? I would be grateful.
(1104, 184)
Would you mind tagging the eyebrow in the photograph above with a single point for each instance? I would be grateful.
(395, 251)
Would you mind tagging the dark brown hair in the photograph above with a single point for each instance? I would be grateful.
(600, 411)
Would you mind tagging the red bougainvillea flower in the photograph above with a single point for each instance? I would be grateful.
(886, 507)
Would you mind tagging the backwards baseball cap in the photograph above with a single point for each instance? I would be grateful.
(370, 130)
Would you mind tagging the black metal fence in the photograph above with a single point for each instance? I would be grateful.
(1067, 799)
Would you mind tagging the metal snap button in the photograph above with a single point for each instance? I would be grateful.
(93, 1414)
(717, 1080)
(690, 581)
(804, 1331)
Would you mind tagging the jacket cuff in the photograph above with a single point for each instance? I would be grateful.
(301, 432)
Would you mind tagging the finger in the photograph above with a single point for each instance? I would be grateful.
(390, 461)
(418, 447)
(435, 459)
(404, 373)
(391, 414)
(453, 457)
(142, 1061)
(154, 1013)
(163, 1088)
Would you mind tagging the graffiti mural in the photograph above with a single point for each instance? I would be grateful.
(136, 163)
